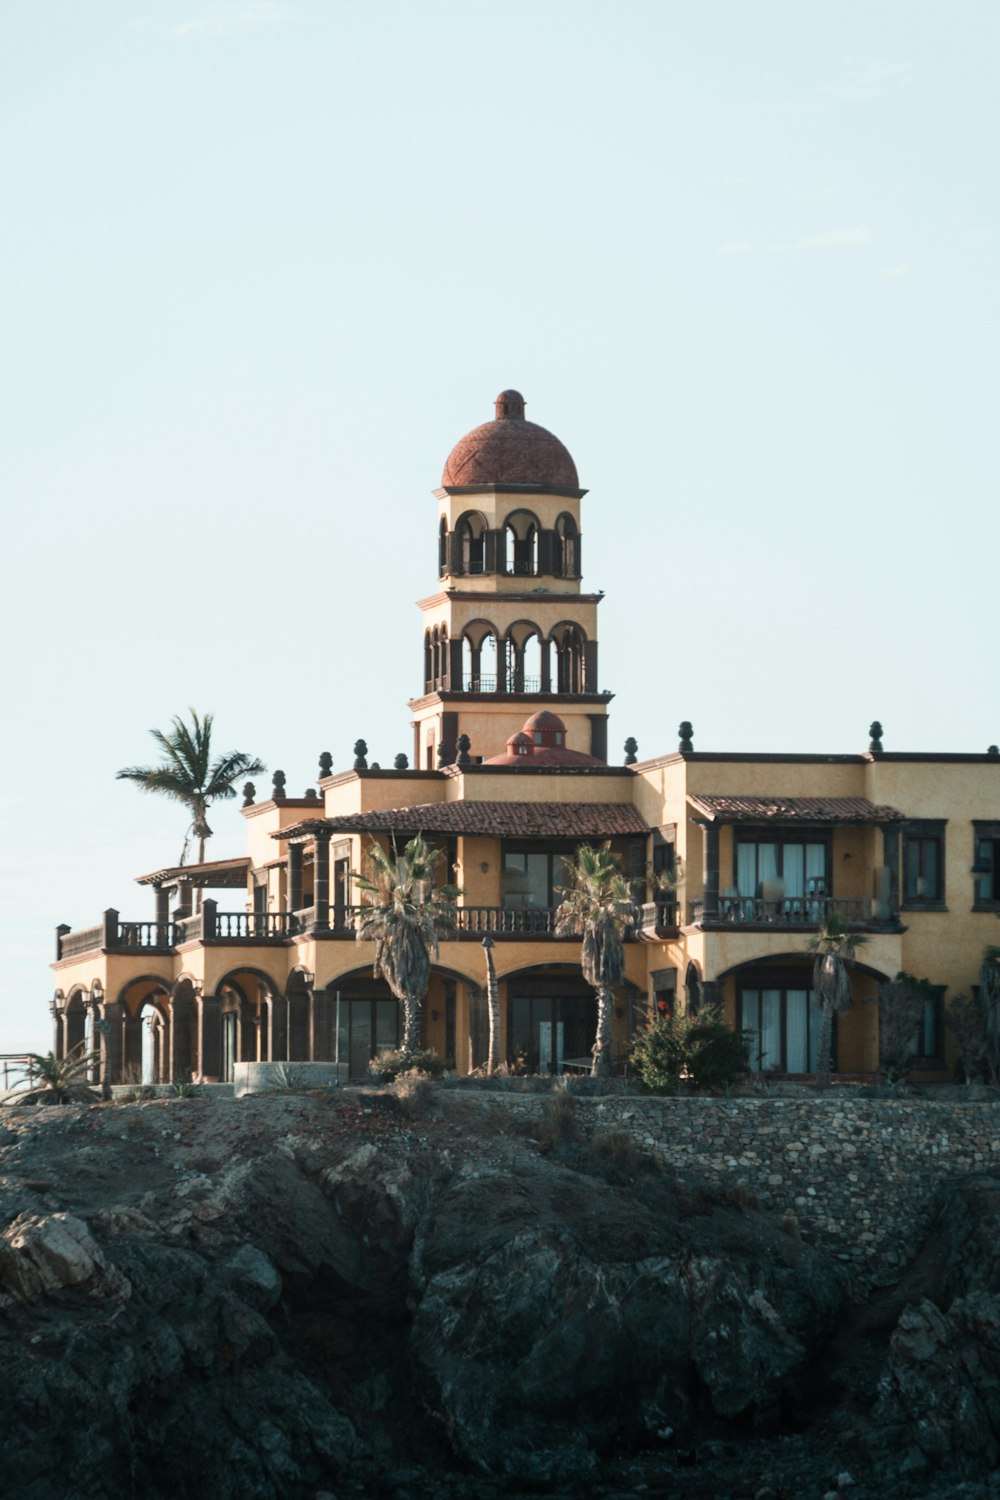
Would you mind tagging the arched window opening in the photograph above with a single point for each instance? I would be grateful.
(472, 544)
(443, 547)
(520, 535)
(531, 665)
(488, 666)
(570, 661)
(567, 550)
(428, 662)
(479, 662)
(523, 659)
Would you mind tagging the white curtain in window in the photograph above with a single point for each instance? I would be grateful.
(794, 869)
(767, 863)
(770, 1028)
(816, 866)
(746, 869)
(797, 1031)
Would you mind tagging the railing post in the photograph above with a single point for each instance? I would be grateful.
(321, 879)
(710, 869)
(110, 928)
(295, 853)
(209, 918)
(61, 931)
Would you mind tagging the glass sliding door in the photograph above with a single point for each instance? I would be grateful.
(783, 1022)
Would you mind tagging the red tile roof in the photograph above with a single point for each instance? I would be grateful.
(510, 450)
(505, 820)
(792, 809)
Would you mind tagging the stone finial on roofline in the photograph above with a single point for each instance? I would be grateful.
(278, 786)
(360, 755)
(686, 746)
(875, 745)
(630, 747)
(249, 793)
(325, 764)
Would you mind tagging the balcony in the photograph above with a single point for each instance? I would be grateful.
(795, 912)
(651, 921)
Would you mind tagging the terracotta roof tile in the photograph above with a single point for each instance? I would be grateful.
(792, 809)
(507, 820)
(510, 450)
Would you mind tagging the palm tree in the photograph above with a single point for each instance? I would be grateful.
(596, 907)
(404, 916)
(57, 1080)
(189, 775)
(493, 1007)
(834, 948)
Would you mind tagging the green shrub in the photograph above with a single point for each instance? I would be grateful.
(717, 1055)
(388, 1065)
(701, 1050)
(660, 1053)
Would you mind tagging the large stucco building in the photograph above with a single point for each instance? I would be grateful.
(509, 773)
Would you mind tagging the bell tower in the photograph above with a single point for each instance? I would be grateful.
(509, 632)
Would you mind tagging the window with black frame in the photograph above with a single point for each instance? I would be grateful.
(779, 876)
(923, 864)
(986, 866)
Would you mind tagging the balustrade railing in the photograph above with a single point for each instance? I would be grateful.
(253, 926)
(657, 916)
(501, 921)
(787, 911)
(144, 935)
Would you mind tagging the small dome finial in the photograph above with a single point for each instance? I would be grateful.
(509, 404)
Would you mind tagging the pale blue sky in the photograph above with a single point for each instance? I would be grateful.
(264, 261)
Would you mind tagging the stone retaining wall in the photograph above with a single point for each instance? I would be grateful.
(863, 1177)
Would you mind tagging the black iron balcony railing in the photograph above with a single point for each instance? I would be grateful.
(651, 920)
(787, 911)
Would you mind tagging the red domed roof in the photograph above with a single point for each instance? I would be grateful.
(542, 742)
(510, 450)
(543, 720)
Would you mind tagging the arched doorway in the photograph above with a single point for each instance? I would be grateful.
(551, 1019)
(366, 1020)
(773, 1002)
(253, 1019)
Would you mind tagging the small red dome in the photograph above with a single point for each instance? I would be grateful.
(542, 742)
(543, 720)
(510, 450)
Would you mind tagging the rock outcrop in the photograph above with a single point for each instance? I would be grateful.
(298, 1296)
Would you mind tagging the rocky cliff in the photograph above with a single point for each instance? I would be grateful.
(305, 1296)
